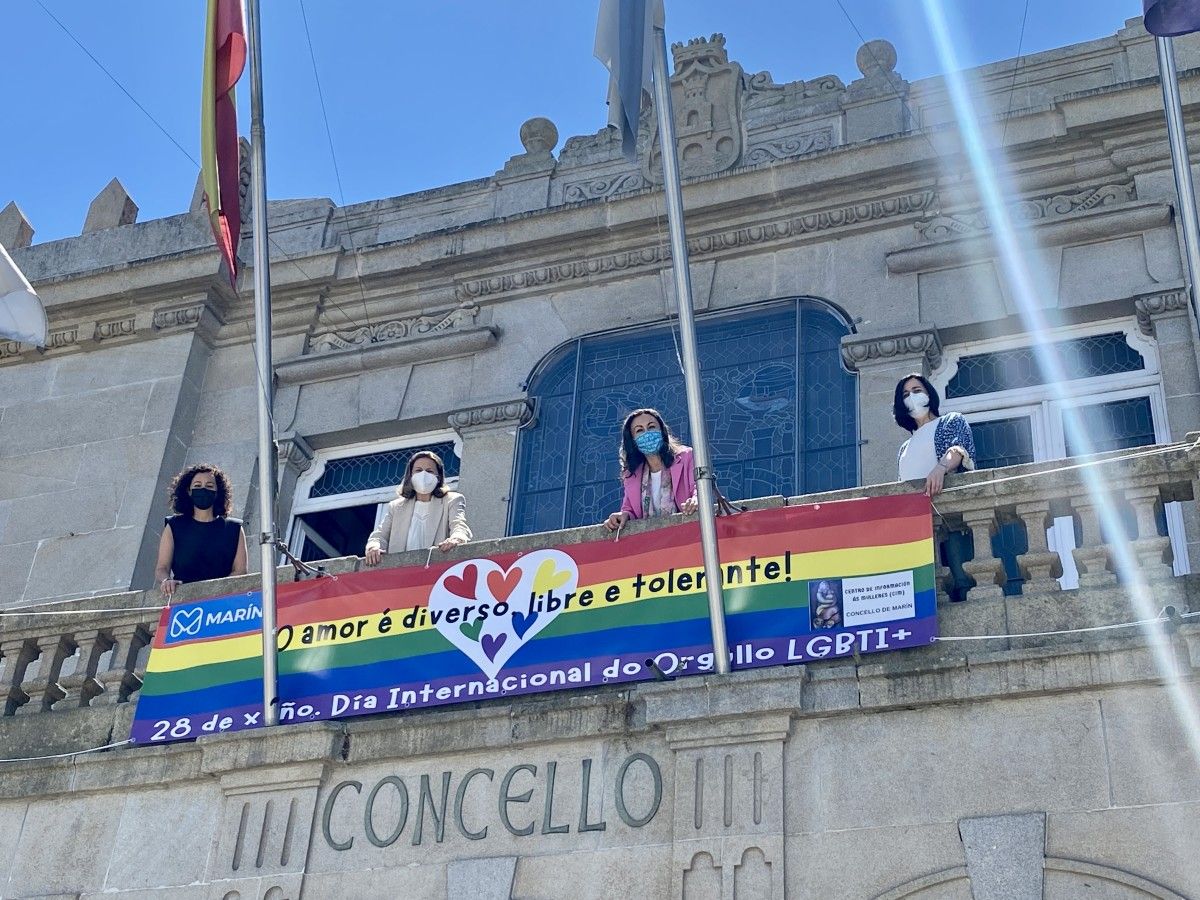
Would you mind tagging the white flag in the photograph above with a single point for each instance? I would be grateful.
(22, 316)
(624, 33)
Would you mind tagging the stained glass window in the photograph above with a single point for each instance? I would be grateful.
(782, 411)
(1003, 370)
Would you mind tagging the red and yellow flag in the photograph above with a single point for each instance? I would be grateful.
(224, 60)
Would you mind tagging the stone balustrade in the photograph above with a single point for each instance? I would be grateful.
(69, 670)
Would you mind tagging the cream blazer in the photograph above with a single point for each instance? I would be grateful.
(450, 512)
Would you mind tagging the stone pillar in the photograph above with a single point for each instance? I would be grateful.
(523, 185)
(489, 436)
(987, 570)
(295, 457)
(265, 830)
(1166, 318)
(1149, 548)
(881, 359)
(115, 667)
(1039, 563)
(1091, 558)
(728, 832)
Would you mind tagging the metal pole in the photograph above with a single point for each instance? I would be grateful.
(262, 345)
(1177, 138)
(691, 359)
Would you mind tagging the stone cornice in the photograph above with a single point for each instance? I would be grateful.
(294, 453)
(1107, 222)
(969, 224)
(863, 349)
(340, 363)
(509, 413)
(195, 313)
(1150, 306)
(700, 246)
(393, 330)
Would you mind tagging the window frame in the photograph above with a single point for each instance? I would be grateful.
(302, 504)
(575, 345)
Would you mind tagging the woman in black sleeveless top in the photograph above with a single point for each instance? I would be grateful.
(200, 541)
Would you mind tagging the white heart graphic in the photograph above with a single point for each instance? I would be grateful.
(186, 622)
(501, 636)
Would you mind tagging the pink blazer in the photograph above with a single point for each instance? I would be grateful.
(683, 484)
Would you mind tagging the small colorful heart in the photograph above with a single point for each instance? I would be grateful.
(492, 643)
(522, 622)
(549, 577)
(471, 629)
(502, 584)
(464, 585)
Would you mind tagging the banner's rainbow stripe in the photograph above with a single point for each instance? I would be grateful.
(768, 559)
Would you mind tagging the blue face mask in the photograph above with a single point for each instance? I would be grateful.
(649, 441)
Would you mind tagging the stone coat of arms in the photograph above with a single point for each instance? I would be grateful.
(706, 95)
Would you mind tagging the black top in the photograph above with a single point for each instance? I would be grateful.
(203, 550)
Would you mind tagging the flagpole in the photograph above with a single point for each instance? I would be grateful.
(262, 344)
(691, 361)
(1177, 137)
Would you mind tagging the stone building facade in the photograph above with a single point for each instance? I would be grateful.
(837, 243)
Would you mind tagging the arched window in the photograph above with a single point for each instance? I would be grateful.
(782, 410)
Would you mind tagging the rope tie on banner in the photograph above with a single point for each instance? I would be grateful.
(73, 753)
(1168, 615)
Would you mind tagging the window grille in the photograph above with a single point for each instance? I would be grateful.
(782, 411)
(1004, 370)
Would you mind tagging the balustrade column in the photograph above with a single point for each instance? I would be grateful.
(77, 673)
(1040, 566)
(986, 569)
(14, 657)
(41, 675)
(1091, 557)
(114, 667)
(1151, 549)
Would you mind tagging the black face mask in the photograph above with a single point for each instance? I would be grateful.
(203, 498)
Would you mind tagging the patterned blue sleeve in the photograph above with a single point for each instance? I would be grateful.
(954, 431)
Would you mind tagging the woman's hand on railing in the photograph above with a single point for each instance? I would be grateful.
(616, 520)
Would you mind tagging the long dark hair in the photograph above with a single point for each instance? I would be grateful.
(903, 417)
(631, 457)
(181, 484)
(406, 488)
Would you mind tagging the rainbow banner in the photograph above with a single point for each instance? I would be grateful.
(801, 583)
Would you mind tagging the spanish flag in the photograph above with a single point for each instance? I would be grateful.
(224, 60)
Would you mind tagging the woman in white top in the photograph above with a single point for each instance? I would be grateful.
(939, 444)
(424, 513)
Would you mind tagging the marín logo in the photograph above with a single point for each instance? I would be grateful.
(186, 622)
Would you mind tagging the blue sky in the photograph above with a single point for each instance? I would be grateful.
(418, 94)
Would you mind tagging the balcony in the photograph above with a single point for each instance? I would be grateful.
(70, 673)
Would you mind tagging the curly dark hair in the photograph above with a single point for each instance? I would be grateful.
(181, 500)
(631, 457)
(406, 488)
(903, 417)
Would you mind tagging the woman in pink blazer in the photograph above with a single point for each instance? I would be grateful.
(657, 471)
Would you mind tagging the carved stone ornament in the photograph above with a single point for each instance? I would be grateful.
(786, 148)
(178, 317)
(1152, 305)
(294, 453)
(750, 235)
(394, 330)
(706, 95)
(858, 350)
(942, 228)
(512, 412)
(114, 328)
(606, 186)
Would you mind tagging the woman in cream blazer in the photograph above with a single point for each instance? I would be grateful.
(424, 513)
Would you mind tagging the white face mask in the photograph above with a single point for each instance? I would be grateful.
(424, 482)
(917, 401)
